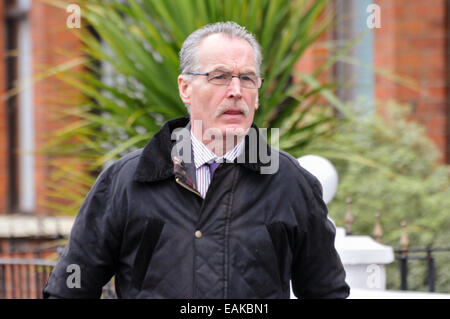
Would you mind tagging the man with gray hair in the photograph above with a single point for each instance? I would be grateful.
(193, 214)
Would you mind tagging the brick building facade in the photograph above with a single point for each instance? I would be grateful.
(412, 42)
(33, 38)
(3, 120)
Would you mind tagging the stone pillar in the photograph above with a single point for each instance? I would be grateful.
(364, 260)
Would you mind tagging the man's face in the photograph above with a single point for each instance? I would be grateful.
(224, 108)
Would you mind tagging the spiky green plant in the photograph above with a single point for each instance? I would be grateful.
(130, 69)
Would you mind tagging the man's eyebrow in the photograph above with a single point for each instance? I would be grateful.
(222, 69)
(250, 72)
(225, 69)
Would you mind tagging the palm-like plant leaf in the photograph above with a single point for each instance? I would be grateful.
(134, 90)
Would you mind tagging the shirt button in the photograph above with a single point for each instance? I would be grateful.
(198, 234)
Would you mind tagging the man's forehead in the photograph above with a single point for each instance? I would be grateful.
(221, 50)
(222, 37)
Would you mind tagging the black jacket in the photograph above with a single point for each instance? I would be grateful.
(144, 223)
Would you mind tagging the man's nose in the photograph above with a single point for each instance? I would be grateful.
(234, 88)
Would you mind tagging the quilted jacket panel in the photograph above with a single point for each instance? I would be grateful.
(251, 235)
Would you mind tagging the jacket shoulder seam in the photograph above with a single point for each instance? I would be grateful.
(312, 181)
(302, 170)
(119, 164)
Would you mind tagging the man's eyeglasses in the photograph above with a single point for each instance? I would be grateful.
(249, 81)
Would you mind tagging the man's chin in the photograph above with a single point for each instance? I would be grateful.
(235, 130)
(235, 126)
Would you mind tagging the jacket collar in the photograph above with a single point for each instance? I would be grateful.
(156, 162)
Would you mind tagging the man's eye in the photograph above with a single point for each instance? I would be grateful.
(219, 76)
(247, 78)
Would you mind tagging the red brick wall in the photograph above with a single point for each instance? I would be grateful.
(3, 128)
(315, 56)
(412, 43)
(318, 53)
(53, 44)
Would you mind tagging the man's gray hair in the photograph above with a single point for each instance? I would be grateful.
(188, 52)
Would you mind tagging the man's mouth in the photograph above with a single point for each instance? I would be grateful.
(233, 112)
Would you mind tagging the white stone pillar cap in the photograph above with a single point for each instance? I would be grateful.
(355, 250)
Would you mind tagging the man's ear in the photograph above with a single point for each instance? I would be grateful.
(184, 88)
(257, 102)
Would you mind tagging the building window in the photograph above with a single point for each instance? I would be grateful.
(354, 73)
(21, 180)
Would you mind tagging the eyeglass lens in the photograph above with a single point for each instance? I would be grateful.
(224, 78)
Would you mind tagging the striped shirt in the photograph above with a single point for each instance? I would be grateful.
(203, 156)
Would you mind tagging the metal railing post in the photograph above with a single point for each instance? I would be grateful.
(377, 228)
(404, 243)
(430, 270)
(2, 282)
(404, 272)
(349, 219)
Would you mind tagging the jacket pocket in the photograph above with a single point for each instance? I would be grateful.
(281, 240)
(147, 244)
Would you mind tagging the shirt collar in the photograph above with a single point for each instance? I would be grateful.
(203, 155)
(156, 162)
